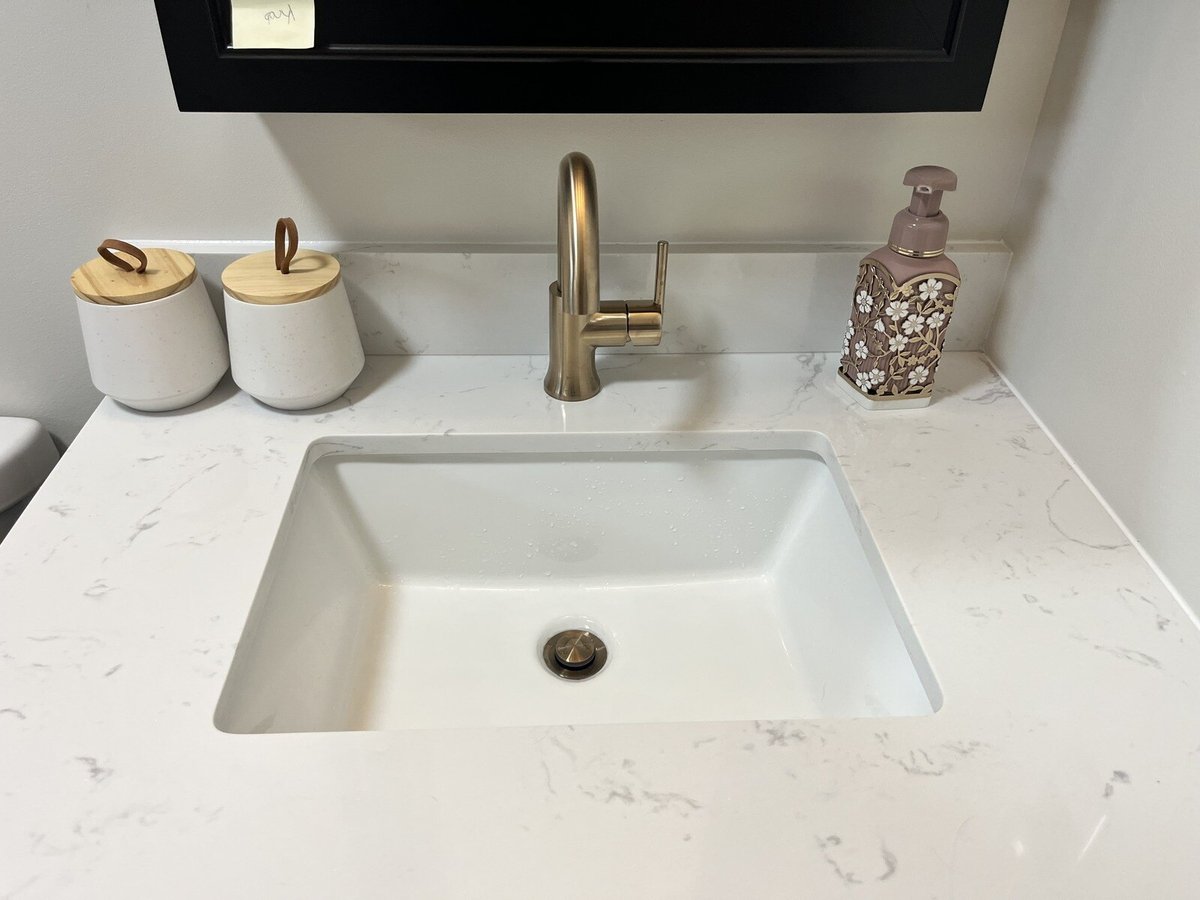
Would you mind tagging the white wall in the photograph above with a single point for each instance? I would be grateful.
(1099, 325)
(92, 146)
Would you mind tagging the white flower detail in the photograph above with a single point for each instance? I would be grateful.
(913, 323)
(864, 301)
(879, 325)
(846, 347)
(897, 309)
(897, 342)
(936, 319)
(863, 380)
(929, 289)
(876, 376)
(918, 375)
(860, 349)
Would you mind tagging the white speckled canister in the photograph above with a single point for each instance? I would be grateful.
(152, 338)
(293, 342)
(294, 355)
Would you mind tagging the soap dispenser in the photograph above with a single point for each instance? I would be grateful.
(902, 303)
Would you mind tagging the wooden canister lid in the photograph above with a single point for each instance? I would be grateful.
(111, 281)
(255, 279)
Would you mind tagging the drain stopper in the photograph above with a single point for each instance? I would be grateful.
(575, 654)
(575, 649)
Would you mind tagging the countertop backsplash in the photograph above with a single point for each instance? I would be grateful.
(491, 300)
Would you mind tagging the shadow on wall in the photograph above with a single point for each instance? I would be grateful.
(1057, 109)
(492, 179)
(433, 165)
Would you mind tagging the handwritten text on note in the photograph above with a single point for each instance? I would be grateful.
(278, 24)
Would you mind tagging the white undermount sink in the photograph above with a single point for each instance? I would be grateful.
(415, 581)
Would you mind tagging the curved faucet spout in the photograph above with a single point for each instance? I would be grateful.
(579, 322)
(578, 235)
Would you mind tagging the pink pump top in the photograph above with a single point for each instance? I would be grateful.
(920, 231)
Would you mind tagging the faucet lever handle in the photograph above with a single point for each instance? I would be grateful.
(646, 322)
(660, 275)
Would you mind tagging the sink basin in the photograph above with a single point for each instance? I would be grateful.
(415, 581)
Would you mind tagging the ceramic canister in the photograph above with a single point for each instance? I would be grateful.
(293, 341)
(150, 331)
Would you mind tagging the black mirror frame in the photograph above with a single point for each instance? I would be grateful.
(210, 77)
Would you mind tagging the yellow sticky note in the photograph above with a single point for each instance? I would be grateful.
(276, 24)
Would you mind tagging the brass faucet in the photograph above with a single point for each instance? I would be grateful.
(579, 321)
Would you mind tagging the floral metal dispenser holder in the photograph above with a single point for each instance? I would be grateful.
(902, 303)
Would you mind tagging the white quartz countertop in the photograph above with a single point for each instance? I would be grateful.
(1065, 761)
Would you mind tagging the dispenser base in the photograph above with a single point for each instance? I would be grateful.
(900, 402)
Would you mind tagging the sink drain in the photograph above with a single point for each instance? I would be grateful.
(575, 654)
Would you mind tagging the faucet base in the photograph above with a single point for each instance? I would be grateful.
(579, 386)
(571, 374)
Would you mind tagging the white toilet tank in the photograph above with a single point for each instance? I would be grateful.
(27, 454)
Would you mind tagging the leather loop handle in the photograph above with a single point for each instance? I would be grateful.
(108, 245)
(285, 249)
